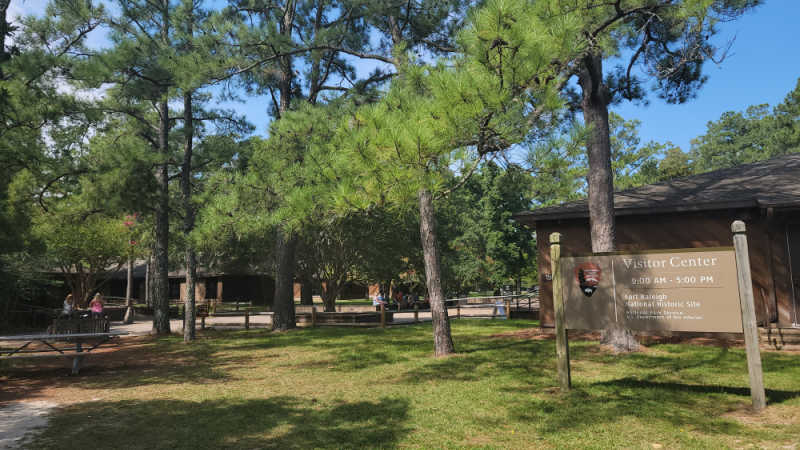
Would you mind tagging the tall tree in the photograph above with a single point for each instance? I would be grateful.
(495, 250)
(136, 69)
(159, 53)
(416, 28)
(433, 117)
(670, 40)
(201, 59)
(279, 39)
(38, 119)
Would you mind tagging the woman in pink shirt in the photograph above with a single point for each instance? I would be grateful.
(96, 306)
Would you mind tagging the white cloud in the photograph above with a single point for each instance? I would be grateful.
(64, 87)
(21, 8)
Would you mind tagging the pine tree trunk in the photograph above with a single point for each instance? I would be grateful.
(283, 318)
(4, 31)
(161, 260)
(148, 278)
(442, 340)
(285, 242)
(129, 313)
(306, 292)
(189, 305)
(188, 220)
(595, 101)
(329, 293)
(598, 146)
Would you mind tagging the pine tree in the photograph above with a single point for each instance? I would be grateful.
(400, 149)
(670, 40)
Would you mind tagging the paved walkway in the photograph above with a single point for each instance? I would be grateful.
(19, 418)
(144, 324)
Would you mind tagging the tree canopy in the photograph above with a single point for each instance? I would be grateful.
(410, 170)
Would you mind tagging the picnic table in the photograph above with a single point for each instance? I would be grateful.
(75, 348)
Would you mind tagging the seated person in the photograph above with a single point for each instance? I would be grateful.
(68, 307)
(378, 300)
(96, 306)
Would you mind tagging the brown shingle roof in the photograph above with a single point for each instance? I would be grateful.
(771, 183)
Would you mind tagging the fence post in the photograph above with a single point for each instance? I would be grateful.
(416, 313)
(383, 315)
(458, 310)
(247, 320)
(313, 316)
(203, 323)
(748, 316)
(562, 345)
(508, 309)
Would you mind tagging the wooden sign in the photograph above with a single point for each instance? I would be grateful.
(670, 290)
(679, 290)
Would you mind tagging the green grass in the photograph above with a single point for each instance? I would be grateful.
(344, 388)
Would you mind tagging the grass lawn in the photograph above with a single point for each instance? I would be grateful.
(345, 388)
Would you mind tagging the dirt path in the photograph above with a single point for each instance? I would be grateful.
(20, 418)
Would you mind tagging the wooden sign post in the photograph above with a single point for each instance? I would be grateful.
(689, 290)
(562, 346)
(748, 316)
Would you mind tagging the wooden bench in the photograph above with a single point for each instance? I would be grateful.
(75, 325)
(346, 318)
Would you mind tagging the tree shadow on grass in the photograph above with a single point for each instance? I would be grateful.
(668, 404)
(773, 395)
(598, 406)
(477, 361)
(652, 363)
(278, 422)
(693, 362)
(139, 363)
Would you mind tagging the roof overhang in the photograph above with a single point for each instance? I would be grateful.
(531, 217)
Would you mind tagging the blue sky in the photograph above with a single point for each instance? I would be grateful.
(762, 67)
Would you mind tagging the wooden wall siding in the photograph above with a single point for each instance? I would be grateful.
(772, 291)
(781, 267)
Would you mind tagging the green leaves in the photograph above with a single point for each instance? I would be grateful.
(754, 135)
(94, 242)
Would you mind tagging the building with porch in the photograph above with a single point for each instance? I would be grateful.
(246, 286)
(696, 212)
